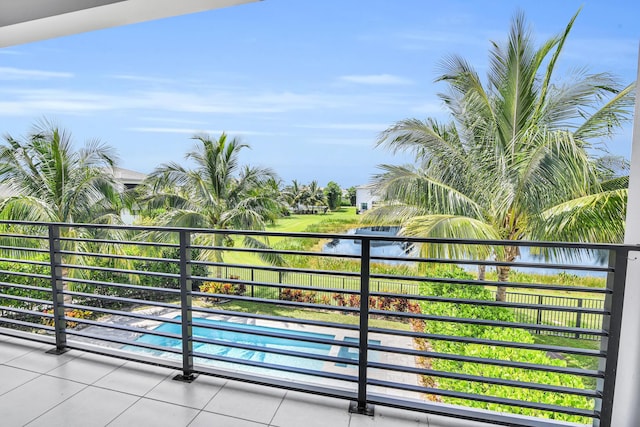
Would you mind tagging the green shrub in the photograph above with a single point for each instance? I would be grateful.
(476, 311)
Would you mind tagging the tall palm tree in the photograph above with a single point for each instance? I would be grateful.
(218, 193)
(516, 162)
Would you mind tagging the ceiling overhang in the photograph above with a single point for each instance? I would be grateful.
(24, 21)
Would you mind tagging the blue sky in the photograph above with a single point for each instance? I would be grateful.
(307, 84)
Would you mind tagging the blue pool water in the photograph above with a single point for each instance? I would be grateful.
(293, 344)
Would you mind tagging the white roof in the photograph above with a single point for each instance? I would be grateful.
(24, 21)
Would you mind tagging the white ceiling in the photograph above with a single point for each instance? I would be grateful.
(24, 21)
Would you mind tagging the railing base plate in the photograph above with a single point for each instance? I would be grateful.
(355, 409)
(185, 378)
(57, 351)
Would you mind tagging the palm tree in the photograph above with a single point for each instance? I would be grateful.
(516, 162)
(50, 181)
(217, 194)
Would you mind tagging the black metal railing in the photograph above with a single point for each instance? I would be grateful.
(426, 336)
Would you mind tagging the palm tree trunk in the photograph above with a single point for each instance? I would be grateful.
(482, 269)
(503, 276)
(510, 254)
(217, 255)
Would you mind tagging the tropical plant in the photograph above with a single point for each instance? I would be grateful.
(52, 182)
(218, 193)
(333, 194)
(517, 160)
(352, 191)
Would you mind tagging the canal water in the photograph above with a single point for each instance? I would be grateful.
(400, 249)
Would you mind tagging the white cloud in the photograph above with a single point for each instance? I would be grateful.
(373, 127)
(137, 78)
(193, 131)
(376, 79)
(10, 73)
(354, 142)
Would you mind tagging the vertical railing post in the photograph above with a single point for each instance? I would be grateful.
(360, 406)
(579, 318)
(57, 288)
(252, 280)
(186, 288)
(539, 316)
(613, 303)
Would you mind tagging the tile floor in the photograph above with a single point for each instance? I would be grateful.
(82, 389)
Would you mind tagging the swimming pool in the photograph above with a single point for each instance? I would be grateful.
(295, 344)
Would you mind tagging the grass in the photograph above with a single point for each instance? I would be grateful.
(336, 222)
(574, 361)
(301, 313)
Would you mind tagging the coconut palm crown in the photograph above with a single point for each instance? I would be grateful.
(50, 181)
(518, 160)
(218, 193)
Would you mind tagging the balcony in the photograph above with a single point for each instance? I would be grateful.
(148, 325)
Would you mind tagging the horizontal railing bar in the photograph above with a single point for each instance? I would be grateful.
(273, 350)
(485, 361)
(276, 302)
(122, 285)
(25, 287)
(275, 285)
(137, 330)
(484, 398)
(493, 303)
(122, 271)
(475, 282)
(27, 312)
(121, 242)
(508, 344)
(26, 299)
(25, 261)
(520, 243)
(291, 337)
(335, 392)
(123, 342)
(21, 274)
(461, 412)
(486, 380)
(495, 323)
(27, 324)
(275, 251)
(513, 264)
(114, 256)
(23, 236)
(281, 368)
(29, 336)
(132, 314)
(122, 299)
(276, 318)
(284, 270)
(23, 249)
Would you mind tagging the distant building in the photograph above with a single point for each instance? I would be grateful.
(366, 198)
(128, 178)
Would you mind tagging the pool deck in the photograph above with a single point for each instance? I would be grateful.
(83, 389)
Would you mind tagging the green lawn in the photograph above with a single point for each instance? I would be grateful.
(295, 224)
(302, 313)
